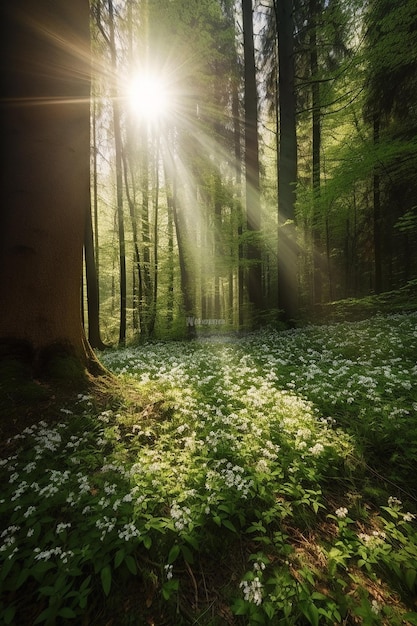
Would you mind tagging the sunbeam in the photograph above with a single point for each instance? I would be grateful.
(148, 96)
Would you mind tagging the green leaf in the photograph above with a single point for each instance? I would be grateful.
(5, 569)
(257, 617)
(119, 558)
(67, 613)
(318, 505)
(131, 564)
(256, 528)
(187, 554)
(410, 617)
(269, 609)
(318, 596)
(169, 587)
(46, 615)
(105, 576)
(48, 590)
(228, 524)
(85, 583)
(39, 570)
(9, 614)
(147, 541)
(311, 612)
(410, 578)
(173, 553)
(191, 540)
(240, 607)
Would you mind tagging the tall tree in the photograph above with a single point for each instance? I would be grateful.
(93, 300)
(253, 200)
(391, 98)
(45, 178)
(287, 166)
(314, 14)
(119, 175)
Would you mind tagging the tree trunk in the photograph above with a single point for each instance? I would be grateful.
(218, 244)
(95, 187)
(93, 300)
(187, 286)
(119, 183)
(147, 297)
(155, 279)
(45, 179)
(170, 276)
(377, 226)
(137, 288)
(287, 172)
(314, 9)
(253, 201)
(237, 207)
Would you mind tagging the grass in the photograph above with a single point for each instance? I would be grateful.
(262, 480)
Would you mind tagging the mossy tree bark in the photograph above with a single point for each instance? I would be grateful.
(45, 179)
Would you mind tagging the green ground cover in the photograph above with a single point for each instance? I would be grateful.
(269, 479)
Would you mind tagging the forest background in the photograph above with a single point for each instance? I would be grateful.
(264, 166)
(271, 174)
(278, 173)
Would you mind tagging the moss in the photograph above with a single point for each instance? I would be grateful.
(30, 379)
(64, 368)
(18, 388)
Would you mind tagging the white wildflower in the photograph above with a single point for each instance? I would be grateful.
(394, 502)
(262, 466)
(29, 467)
(317, 449)
(376, 607)
(252, 590)
(62, 526)
(128, 532)
(181, 516)
(258, 566)
(29, 511)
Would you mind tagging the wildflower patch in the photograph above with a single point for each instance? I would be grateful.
(284, 456)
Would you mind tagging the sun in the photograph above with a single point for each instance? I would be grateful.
(148, 97)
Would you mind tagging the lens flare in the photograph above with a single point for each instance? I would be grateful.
(148, 97)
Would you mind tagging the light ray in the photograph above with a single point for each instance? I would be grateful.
(148, 96)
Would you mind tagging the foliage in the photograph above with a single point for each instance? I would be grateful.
(356, 155)
(281, 456)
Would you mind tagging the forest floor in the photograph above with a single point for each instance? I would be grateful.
(266, 480)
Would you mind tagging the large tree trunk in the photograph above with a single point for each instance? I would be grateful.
(287, 173)
(45, 179)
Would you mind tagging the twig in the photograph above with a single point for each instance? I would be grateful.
(195, 584)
